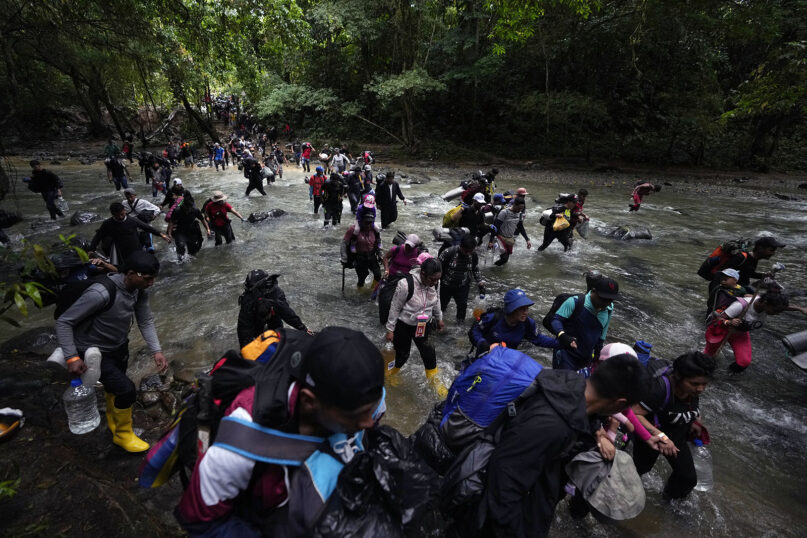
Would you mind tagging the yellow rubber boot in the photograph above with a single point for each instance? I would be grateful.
(392, 377)
(110, 418)
(124, 437)
(434, 381)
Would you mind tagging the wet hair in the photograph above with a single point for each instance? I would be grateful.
(777, 300)
(657, 188)
(620, 377)
(431, 266)
(694, 364)
(115, 208)
(468, 242)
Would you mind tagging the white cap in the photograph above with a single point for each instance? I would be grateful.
(177, 181)
(412, 240)
(479, 197)
(616, 348)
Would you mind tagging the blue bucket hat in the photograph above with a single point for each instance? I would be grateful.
(514, 299)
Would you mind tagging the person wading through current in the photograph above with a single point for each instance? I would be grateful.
(48, 185)
(386, 197)
(216, 214)
(120, 234)
(509, 222)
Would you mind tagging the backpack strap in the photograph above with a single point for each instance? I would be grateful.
(410, 282)
(264, 444)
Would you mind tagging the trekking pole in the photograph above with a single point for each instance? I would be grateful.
(767, 280)
(343, 278)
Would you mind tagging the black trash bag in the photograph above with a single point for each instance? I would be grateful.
(383, 491)
(429, 443)
(258, 216)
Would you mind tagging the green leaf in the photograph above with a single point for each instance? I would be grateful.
(33, 293)
(19, 300)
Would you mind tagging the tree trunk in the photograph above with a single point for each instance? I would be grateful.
(90, 105)
(199, 120)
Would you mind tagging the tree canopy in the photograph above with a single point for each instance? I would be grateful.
(702, 82)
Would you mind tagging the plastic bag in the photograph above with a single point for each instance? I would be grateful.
(383, 491)
(560, 223)
(429, 443)
(61, 204)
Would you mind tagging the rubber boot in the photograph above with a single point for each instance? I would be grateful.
(124, 437)
(110, 417)
(392, 377)
(434, 381)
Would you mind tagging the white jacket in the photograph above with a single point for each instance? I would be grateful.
(424, 299)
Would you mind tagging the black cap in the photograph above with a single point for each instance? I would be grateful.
(768, 241)
(34, 163)
(607, 288)
(343, 368)
(141, 261)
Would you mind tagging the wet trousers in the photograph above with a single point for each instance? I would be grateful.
(683, 477)
(113, 375)
(460, 296)
(402, 340)
(564, 236)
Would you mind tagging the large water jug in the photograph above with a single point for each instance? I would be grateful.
(81, 407)
(703, 466)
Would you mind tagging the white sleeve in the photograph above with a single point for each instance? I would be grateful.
(734, 309)
(223, 474)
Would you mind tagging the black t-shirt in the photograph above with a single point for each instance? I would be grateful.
(117, 168)
(675, 411)
(184, 220)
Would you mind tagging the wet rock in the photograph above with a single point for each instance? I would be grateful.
(607, 169)
(184, 373)
(84, 217)
(741, 179)
(802, 186)
(40, 224)
(156, 382)
(169, 402)
(37, 341)
(54, 161)
(149, 398)
(627, 233)
(263, 215)
(86, 160)
(668, 184)
(11, 385)
(9, 219)
(787, 197)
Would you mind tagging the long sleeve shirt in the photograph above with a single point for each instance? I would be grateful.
(509, 223)
(458, 268)
(425, 300)
(82, 326)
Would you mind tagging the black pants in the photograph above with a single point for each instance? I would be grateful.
(223, 232)
(460, 296)
(550, 235)
(113, 375)
(683, 477)
(333, 213)
(389, 214)
(402, 340)
(317, 203)
(219, 162)
(191, 240)
(50, 203)
(255, 184)
(366, 264)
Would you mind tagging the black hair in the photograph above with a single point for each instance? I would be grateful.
(657, 188)
(694, 364)
(775, 299)
(141, 261)
(582, 192)
(620, 377)
(468, 242)
(115, 208)
(431, 266)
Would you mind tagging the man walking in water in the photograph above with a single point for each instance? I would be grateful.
(641, 190)
(48, 185)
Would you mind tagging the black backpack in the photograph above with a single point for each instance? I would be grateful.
(388, 291)
(556, 304)
(70, 293)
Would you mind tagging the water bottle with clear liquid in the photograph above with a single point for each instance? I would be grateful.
(81, 407)
(703, 466)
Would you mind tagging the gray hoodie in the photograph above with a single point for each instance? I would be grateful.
(80, 327)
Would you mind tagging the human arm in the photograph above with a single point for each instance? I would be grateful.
(398, 193)
(536, 338)
(386, 258)
(145, 322)
(91, 301)
(479, 331)
(475, 272)
(151, 229)
(203, 220)
(658, 439)
(236, 213)
(520, 230)
(287, 314)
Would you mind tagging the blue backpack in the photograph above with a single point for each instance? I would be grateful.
(482, 391)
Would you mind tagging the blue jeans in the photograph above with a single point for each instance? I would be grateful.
(120, 182)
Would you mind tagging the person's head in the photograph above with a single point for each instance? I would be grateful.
(139, 270)
(591, 277)
(765, 247)
(570, 201)
(604, 291)
(430, 272)
(498, 198)
(467, 244)
(391, 175)
(117, 211)
(367, 222)
(177, 186)
(129, 194)
(479, 200)
(219, 197)
(521, 192)
(320, 171)
(773, 303)
(36, 165)
(729, 277)
(582, 194)
(517, 305)
(691, 372)
(337, 151)
(342, 382)
(518, 205)
(411, 243)
(369, 201)
(616, 384)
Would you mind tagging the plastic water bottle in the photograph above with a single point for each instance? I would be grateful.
(480, 306)
(388, 354)
(81, 407)
(703, 466)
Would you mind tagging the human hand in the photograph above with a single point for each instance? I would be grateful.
(735, 322)
(76, 367)
(440, 325)
(607, 448)
(529, 245)
(490, 245)
(160, 361)
(388, 336)
(166, 237)
(567, 341)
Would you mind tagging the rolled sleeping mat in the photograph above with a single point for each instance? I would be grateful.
(800, 360)
(795, 343)
(453, 193)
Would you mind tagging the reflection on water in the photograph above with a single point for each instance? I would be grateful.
(757, 421)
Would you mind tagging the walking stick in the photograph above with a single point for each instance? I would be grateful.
(343, 278)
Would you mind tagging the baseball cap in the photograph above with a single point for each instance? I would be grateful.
(412, 240)
(34, 163)
(768, 241)
(498, 198)
(343, 368)
(515, 298)
(369, 201)
(177, 181)
(479, 197)
(129, 190)
(607, 288)
(733, 273)
(521, 191)
(616, 348)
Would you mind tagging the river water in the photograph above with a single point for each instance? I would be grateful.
(757, 421)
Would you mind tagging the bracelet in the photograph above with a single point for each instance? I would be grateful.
(662, 436)
(72, 359)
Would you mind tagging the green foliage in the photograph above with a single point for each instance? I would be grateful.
(414, 83)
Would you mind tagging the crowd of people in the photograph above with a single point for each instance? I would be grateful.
(314, 400)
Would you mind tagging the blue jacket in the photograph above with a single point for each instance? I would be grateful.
(590, 328)
(489, 330)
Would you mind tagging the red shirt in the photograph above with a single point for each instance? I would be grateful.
(307, 152)
(316, 184)
(218, 213)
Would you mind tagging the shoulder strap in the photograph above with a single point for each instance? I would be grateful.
(265, 444)
(410, 282)
(579, 304)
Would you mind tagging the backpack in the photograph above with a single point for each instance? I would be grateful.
(388, 291)
(720, 256)
(556, 304)
(269, 363)
(448, 218)
(657, 368)
(546, 217)
(70, 293)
